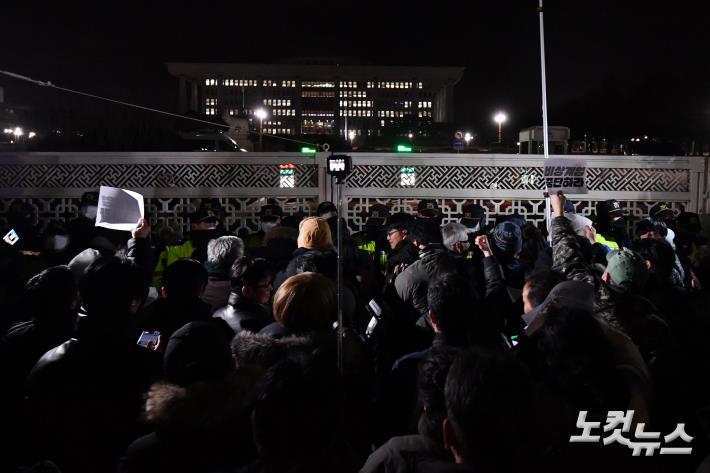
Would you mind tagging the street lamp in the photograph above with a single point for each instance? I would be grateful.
(467, 138)
(499, 119)
(261, 114)
(351, 135)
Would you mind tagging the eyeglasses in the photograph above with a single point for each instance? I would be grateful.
(392, 232)
(464, 242)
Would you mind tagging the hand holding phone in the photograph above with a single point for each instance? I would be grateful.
(149, 340)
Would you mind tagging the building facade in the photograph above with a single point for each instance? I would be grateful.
(304, 99)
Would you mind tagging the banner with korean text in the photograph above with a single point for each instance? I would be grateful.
(568, 175)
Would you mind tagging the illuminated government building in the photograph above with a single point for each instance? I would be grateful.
(304, 99)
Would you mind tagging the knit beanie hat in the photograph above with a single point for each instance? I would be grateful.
(507, 238)
(314, 232)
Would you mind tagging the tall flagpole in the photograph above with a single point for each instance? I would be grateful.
(544, 105)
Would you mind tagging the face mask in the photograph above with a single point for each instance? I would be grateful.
(57, 242)
(328, 215)
(266, 226)
(89, 211)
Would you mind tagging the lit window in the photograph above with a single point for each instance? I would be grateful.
(317, 84)
(407, 177)
(317, 93)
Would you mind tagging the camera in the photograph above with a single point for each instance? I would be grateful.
(339, 165)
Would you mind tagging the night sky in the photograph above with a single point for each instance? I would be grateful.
(614, 67)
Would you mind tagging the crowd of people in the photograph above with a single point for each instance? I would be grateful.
(479, 345)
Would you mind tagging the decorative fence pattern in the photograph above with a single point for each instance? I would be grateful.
(173, 183)
(179, 176)
(519, 178)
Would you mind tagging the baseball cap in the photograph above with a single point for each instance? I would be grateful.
(378, 211)
(627, 269)
(204, 215)
(428, 208)
(472, 215)
(659, 209)
(208, 211)
(613, 205)
(377, 215)
(270, 212)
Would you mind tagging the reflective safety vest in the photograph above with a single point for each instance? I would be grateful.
(611, 244)
(368, 246)
(167, 257)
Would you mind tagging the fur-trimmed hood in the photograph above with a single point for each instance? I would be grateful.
(252, 349)
(203, 405)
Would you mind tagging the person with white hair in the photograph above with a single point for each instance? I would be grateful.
(455, 236)
(222, 252)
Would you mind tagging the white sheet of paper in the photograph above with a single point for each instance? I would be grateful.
(119, 209)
